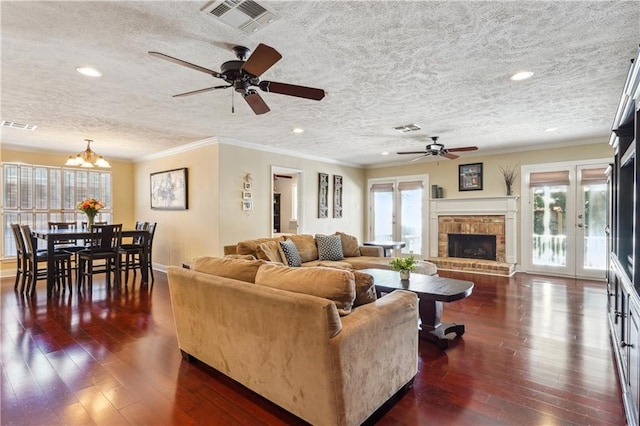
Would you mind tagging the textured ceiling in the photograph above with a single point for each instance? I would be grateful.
(442, 65)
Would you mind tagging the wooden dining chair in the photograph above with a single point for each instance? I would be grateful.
(101, 256)
(21, 261)
(36, 261)
(130, 254)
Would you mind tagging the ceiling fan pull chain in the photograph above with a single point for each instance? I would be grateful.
(233, 105)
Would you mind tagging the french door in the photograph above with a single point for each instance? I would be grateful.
(564, 219)
(398, 212)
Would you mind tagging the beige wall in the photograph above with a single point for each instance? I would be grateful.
(444, 172)
(183, 234)
(216, 173)
(215, 217)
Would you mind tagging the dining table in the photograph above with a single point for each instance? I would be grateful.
(62, 236)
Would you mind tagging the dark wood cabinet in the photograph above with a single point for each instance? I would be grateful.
(623, 278)
(276, 213)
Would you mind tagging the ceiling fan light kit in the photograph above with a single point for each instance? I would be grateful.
(244, 74)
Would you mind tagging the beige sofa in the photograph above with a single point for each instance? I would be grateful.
(267, 327)
(355, 256)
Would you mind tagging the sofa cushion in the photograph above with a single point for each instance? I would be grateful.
(350, 246)
(334, 284)
(289, 254)
(238, 269)
(340, 264)
(240, 256)
(365, 289)
(306, 245)
(329, 247)
(270, 251)
(251, 246)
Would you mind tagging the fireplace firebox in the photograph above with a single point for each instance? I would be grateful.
(472, 246)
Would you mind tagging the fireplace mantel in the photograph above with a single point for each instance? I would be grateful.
(476, 206)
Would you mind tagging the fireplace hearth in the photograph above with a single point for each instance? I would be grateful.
(472, 246)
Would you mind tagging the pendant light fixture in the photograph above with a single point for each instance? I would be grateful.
(87, 158)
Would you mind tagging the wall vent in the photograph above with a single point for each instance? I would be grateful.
(247, 16)
(407, 128)
(15, 125)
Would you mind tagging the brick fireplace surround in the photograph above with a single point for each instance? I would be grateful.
(486, 215)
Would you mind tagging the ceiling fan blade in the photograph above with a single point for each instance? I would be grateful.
(419, 158)
(195, 92)
(464, 148)
(449, 155)
(256, 103)
(185, 64)
(413, 152)
(292, 90)
(262, 58)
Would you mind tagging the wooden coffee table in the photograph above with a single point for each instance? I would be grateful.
(432, 292)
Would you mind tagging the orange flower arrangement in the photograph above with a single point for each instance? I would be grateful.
(90, 207)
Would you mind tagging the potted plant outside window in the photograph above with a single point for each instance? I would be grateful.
(404, 265)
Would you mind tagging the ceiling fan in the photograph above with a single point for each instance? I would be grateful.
(438, 149)
(244, 74)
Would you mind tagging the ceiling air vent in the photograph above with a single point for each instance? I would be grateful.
(15, 125)
(407, 128)
(245, 15)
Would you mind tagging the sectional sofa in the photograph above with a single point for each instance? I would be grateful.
(315, 340)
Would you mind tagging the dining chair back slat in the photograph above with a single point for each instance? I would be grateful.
(21, 261)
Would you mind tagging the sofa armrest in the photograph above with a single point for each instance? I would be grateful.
(230, 249)
(374, 251)
(376, 353)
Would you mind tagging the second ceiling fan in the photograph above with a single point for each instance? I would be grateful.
(438, 149)
(244, 74)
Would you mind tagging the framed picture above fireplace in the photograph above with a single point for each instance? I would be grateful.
(470, 177)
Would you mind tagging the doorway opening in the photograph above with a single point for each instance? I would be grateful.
(286, 211)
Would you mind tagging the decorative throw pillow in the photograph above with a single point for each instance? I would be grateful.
(290, 254)
(329, 247)
(269, 251)
(350, 246)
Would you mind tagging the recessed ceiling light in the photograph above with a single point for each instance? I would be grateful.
(523, 75)
(551, 129)
(297, 130)
(385, 153)
(89, 72)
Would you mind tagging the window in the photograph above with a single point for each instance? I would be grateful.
(34, 195)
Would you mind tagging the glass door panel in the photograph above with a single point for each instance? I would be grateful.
(550, 226)
(591, 259)
(383, 215)
(411, 220)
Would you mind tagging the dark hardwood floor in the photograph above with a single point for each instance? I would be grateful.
(536, 351)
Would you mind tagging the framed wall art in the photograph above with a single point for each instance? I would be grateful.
(169, 190)
(323, 195)
(470, 177)
(337, 196)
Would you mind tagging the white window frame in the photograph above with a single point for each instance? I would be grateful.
(99, 184)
